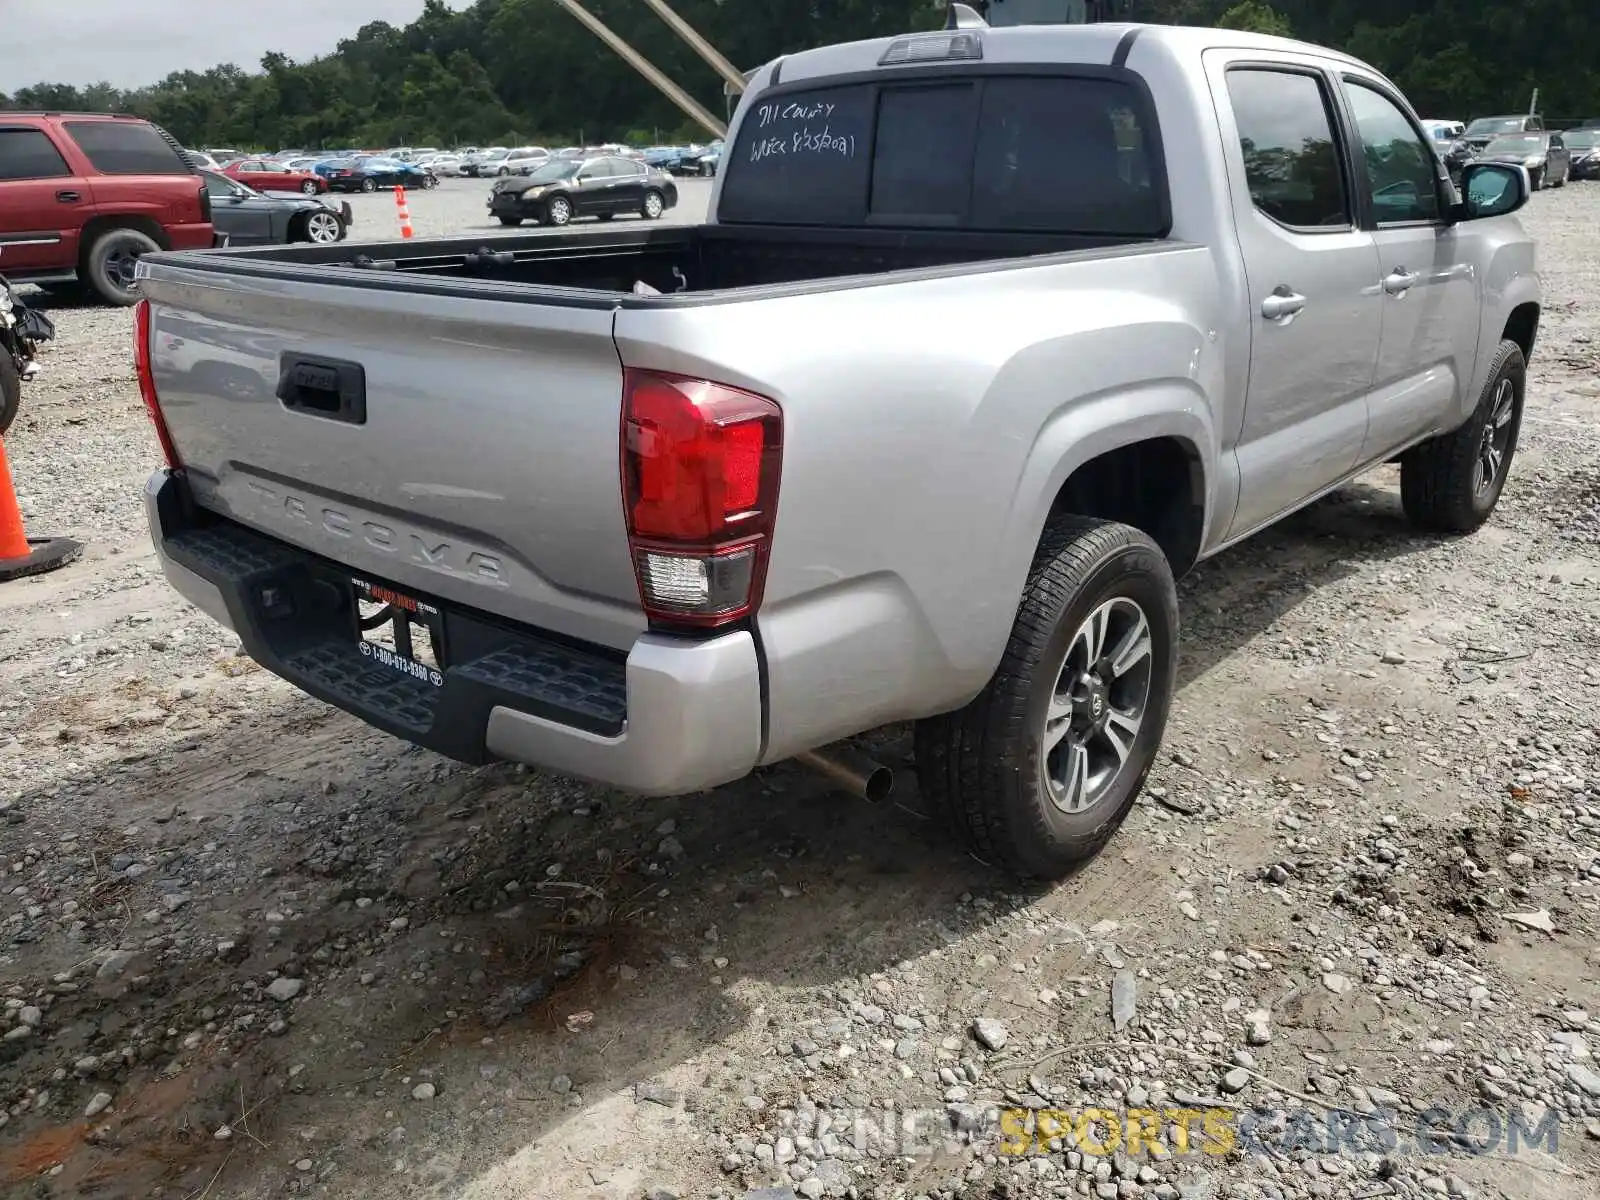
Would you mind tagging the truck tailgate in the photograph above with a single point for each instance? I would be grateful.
(468, 450)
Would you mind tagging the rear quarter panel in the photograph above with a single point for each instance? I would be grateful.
(928, 427)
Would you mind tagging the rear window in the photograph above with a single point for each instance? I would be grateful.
(1039, 153)
(29, 154)
(127, 148)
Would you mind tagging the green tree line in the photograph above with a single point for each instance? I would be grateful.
(511, 71)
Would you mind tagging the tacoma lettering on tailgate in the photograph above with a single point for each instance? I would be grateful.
(430, 551)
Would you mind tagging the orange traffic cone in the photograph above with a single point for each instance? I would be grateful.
(19, 554)
(405, 213)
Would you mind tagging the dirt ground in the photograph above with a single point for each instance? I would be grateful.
(249, 947)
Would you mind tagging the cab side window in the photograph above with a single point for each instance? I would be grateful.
(1291, 161)
(1402, 179)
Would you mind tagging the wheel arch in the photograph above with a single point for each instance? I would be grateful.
(1145, 458)
(1522, 327)
(101, 224)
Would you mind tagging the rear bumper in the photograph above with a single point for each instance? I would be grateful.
(672, 716)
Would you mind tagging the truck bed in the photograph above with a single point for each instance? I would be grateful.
(601, 268)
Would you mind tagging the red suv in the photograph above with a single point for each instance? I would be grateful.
(82, 196)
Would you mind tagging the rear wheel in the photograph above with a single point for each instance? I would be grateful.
(1536, 178)
(110, 262)
(369, 185)
(1041, 769)
(1451, 483)
(309, 187)
(10, 391)
(654, 205)
(558, 211)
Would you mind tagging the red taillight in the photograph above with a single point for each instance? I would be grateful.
(147, 382)
(700, 487)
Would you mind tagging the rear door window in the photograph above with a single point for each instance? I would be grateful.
(1053, 153)
(127, 148)
(30, 154)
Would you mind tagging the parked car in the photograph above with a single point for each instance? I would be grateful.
(201, 161)
(444, 165)
(248, 217)
(472, 164)
(509, 162)
(1484, 130)
(564, 189)
(525, 159)
(368, 174)
(265, 175)
(225, 156)
(84, 196)
(1583, 145)
(1452, 149)
(907, 443)
(1545, 156)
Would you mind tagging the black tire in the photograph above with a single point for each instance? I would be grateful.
(10, 391)
(108, 266)
(369, 185)
(1560, 180)
(558, 211)
(653, 205)
(1536, 179)
(323, 228)
(1445, 483)
(511, 220)
(429, 182)
(982, 766)
(309, 187)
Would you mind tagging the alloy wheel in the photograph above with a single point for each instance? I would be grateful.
(1495, 440)
(1098, 706)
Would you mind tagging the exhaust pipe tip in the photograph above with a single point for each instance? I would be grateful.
(851, 771)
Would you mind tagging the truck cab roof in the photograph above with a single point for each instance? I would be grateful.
(1032, 44)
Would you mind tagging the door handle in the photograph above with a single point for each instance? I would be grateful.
(68, 197)
(1282, 304)
(1398, 282)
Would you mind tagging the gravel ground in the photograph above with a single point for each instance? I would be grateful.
(249, 947)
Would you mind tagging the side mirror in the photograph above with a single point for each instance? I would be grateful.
(1492, 190)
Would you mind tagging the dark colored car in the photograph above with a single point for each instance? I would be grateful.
(1544, 154)
(1584, 147)
(83, 196)
(251, 218)
(565, 188)
(368, 174)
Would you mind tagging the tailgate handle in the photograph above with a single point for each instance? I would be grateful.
(323, 387)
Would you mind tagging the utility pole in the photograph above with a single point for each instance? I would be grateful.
(730, 74)
(642, 65)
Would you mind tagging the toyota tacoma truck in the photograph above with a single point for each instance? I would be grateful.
(989, 334)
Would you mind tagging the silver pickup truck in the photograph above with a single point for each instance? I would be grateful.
(990, 334)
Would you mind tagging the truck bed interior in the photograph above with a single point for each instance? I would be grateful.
(672, 259)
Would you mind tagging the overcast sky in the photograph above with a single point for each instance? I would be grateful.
(134, 42)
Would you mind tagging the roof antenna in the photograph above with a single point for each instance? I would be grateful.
(963, 16)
